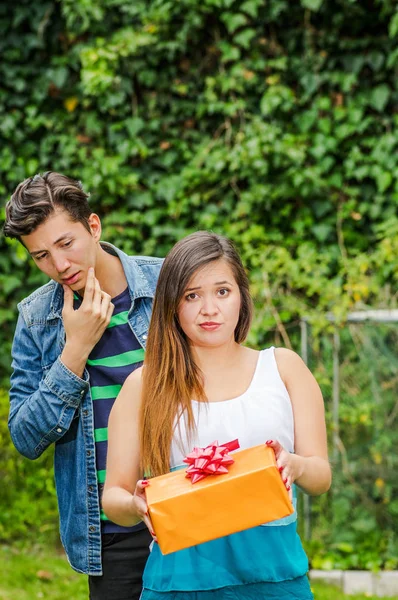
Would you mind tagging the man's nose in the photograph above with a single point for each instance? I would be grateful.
(61, 263)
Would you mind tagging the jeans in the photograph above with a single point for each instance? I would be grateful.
(123, 560)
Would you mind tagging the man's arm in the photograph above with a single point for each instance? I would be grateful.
(43, 402)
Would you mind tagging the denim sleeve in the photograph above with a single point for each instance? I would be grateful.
(42, 403)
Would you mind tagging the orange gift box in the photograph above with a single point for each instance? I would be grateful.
(185, 514)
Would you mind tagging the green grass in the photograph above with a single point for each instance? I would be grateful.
(33, 573)
(36, 573)
(329, 592)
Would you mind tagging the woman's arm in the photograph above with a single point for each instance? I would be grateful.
(124, 502)
(309, 466)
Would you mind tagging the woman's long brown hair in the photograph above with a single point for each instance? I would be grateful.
(171, 379)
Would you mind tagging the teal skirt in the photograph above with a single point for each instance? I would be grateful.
(294, 589)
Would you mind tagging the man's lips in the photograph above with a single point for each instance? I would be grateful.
(209, 325)
(72, 279)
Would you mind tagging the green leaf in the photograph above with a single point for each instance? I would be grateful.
(321, 231)
(379, 97)
(229, 52)
(59, 76)
(251, 7)
(384, 181)
(244, 38)
(393, 26)
(234, 21)
(314, 5)
(375, 60)
(134, 126)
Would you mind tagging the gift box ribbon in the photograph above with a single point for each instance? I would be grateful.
(211, 460)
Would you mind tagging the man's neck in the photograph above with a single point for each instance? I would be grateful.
(110, 273)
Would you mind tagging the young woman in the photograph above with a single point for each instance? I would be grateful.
(199, 384)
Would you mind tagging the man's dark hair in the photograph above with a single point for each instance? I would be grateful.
(36, 198)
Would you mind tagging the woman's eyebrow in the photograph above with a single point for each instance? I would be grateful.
(200, 287)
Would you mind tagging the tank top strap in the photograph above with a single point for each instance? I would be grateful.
(267, 372)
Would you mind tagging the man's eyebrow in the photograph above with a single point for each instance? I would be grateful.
(57, 241)
(62, 238)
(200, 287)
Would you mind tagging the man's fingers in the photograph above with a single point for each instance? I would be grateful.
(89, 288)
(97, 297)
(105, 302)
(68, 298)
(109, 312)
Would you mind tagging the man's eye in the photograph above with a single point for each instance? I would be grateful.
(40, 256)
(67, 244)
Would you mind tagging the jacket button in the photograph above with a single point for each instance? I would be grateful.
(85, 413)
(90, 488)
(59, 430)
(88, 453)
(92, 528)
(144, 337)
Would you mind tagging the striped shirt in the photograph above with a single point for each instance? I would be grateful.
(112, 359)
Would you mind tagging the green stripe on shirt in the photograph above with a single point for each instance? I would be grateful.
(119, 360)
(101, 435)
(101, 476)
(100, 392)
(119, 319)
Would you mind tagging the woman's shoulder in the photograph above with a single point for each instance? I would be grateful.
(135, 377)
(131, 389)
(285, 355)
(290, 364)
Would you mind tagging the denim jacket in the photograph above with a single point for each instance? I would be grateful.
(49, 403)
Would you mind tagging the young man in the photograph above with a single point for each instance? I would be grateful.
(76, 340)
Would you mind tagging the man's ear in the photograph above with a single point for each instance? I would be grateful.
(95, 226)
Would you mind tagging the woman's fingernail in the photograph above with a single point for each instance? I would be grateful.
(147, 514)
(281, 469)
(145, 482)
(285, 480)
(268, 442)
(153, 533)
(288, 487)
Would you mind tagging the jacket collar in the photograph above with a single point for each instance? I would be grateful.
(136, 281)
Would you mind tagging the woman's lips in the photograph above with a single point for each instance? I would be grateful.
(210, 326)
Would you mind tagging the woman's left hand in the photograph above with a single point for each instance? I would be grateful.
(290, 465)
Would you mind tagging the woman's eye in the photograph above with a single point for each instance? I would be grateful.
(191, 296)
(223, 292)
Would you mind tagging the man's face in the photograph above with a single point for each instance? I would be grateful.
(63, 249)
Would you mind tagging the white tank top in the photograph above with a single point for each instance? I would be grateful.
(263, 412)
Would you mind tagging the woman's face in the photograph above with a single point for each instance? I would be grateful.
(208, 312)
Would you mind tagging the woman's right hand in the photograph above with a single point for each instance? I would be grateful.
(141, 506)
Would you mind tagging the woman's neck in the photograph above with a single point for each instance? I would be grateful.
(227, 370)
(214, 359)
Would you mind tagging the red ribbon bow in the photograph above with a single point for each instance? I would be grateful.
(212, 460)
